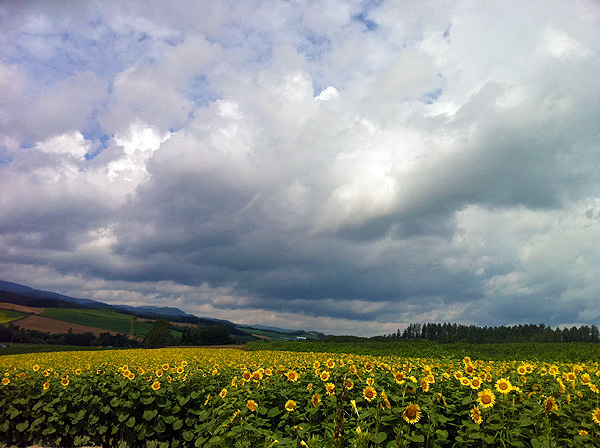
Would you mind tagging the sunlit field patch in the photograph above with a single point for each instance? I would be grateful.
(225, 398)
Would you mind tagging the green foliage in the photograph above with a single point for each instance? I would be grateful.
(208, 335)
(159, 335)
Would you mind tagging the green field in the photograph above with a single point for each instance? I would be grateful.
(422, 348)
(105, 319)
(7, 316)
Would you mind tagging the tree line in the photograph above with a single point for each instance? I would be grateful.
(13, 333)
(160, 335)
(447, 332)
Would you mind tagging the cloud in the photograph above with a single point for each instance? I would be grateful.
(356, 165)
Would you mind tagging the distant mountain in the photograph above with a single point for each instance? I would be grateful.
(267, 328)
(27, 291)
(37, 293)
(154, 310)
(21, 294)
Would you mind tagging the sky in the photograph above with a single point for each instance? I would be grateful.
(348, 167)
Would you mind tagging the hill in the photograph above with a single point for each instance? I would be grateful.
(59, 310)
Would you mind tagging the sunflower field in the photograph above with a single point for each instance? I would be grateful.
(233, 398)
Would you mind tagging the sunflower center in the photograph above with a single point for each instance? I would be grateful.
(411, 413)
(486, 399)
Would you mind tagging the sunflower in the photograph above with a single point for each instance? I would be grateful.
(5, 381)
(522, 370)
(46, 385)
(330, 363)
(476, 415)
(370, 381)
(159, 373)
(465, 381)
(179, 370)
(330, 387)
(369, 393)
(36, 368)
(386, 402)
(503, 386)
(399, 377)
(596, 416)
(292, 375)
(550, 405)
(316, 400)
(156, 385)
(290, 405)
(64, 381)
(486, 398)
(316, 365)
(252, 405)
(348, 384)
(324, 375)
(412, 413)
(425, 385)
(223, 393)
(247, 375)
(585, 378)
(475, 383)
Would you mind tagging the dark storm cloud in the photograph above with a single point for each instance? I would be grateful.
(340, 165)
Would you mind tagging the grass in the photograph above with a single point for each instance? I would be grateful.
(7, 316)
(104, 319)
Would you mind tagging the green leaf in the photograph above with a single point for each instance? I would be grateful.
(274, 412)
(419, 438)
(177, 424)
(147, 400)
(22, 426)
(378, 438)
(188, 435)
(199, 442)
(149, 414)
(467, 399)
(160, 426)
(115, 402)
(215, 440)
(129, 423)
(442, 434)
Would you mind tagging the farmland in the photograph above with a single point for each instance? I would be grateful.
(103, 319)
(207, 397)
(9, 316)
